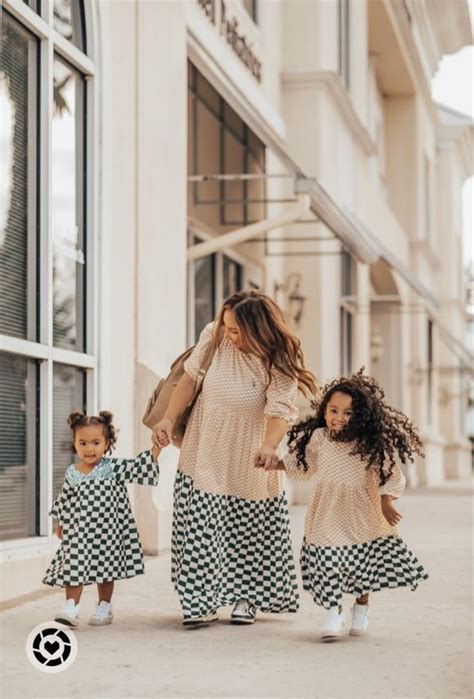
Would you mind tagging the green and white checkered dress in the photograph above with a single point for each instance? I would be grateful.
(100, 537)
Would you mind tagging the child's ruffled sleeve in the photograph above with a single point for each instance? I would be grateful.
(193, 364)
(142, 470)
(60, 505)
(281, 397)
(395, 484)
(297, 472)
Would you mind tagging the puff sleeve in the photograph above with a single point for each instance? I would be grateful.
(281, 397)
(193, 364)
(395, 484)
(142, 470)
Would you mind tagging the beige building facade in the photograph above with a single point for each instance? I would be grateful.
(176, 152)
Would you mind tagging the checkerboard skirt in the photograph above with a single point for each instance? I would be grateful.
(226, 548)
(357, 569)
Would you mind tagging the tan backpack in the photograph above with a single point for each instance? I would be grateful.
(161, 396)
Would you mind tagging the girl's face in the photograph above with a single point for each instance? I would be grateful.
(90, 444)
(231, 330)
(338, 411)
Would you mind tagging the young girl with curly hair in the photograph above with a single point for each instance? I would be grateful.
(351, 542)
(99, 537)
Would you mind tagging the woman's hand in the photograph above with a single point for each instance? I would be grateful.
(266, 457)
(391, 514)
(163, 433)
(155, 451)
(59, 532)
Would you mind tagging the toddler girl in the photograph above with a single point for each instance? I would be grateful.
(99, 537)
(351, 541)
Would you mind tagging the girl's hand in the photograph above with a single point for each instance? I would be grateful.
(163, 433)
(59, 532)
(391, 514)
(266, 458)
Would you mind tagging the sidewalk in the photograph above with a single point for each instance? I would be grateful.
(418, 644)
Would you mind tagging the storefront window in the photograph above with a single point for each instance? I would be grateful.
(68, 395)
(69, 21)
(43, 200)
(220, 143)
(18, 447)
(18, 162)
(68, 207)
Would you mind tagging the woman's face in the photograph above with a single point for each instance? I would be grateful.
(231, 331)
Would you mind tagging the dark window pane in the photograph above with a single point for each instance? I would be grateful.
(68, 395)
(69, 21)
(34, 4)
(18, 163)
(234, 122)
(207, 94)
(207, 153)
(234, 164)
(203, 292)
(232, 281)
(18, 461)
(68, 207)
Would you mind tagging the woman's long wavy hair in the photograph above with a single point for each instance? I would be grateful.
(265, 333)
(378, 431)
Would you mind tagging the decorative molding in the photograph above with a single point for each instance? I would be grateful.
(331, 82)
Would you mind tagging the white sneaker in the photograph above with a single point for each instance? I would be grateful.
(69, 615)
(244, 612)
(335, 625)
(360, 619)
(102, 615)
(201, 620)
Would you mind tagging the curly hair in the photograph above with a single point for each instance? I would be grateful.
(104, 418)
(377, 430)
(265, 333)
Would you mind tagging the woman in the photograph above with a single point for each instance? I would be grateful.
(231, 539)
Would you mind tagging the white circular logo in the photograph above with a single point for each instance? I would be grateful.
(51, 647)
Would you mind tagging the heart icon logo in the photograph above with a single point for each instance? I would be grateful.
(51, 647)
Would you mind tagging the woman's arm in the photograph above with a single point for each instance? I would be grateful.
(180, 399)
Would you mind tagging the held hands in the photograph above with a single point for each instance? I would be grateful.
(391, 514)
(155, 451)
(266, 458)
(163, 433)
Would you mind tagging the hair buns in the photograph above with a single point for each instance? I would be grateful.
(106, 416)
(75, 418)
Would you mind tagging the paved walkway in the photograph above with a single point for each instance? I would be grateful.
(418, 647)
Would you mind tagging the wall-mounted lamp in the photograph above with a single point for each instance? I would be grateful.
(377, 348)
(295, 299)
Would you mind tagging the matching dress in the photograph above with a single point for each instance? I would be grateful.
(348, 544)
(100, 537)
(231, 535)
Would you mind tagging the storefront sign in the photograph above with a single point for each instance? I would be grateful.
(228, 27)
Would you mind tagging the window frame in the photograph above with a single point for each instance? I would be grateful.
(344, 41)
(51, 43)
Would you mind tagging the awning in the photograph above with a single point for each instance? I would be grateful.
(396, 264)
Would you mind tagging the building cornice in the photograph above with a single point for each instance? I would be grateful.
(331, 82)
(458, 137)
(451, 24)
(410, 51)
